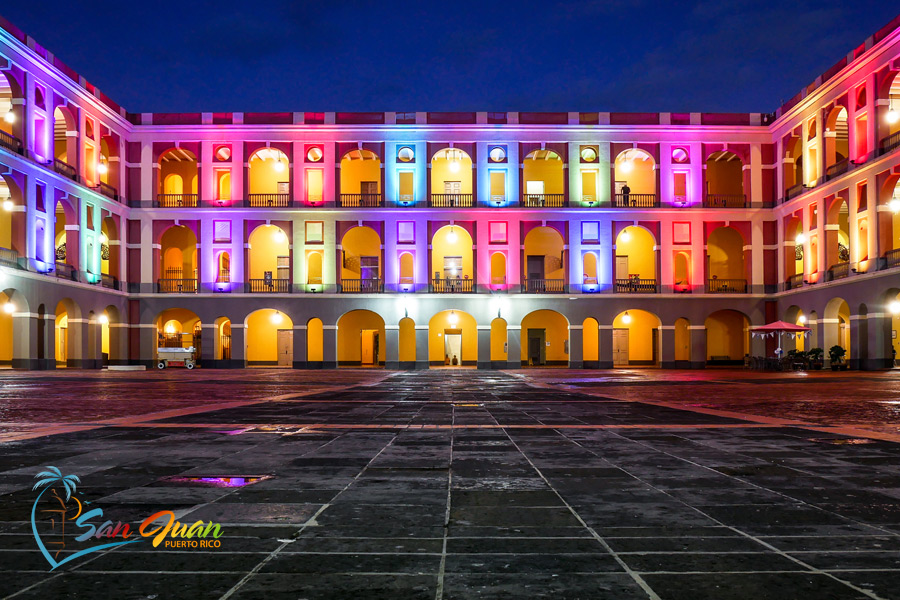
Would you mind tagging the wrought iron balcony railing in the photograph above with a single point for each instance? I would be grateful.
(892, 259)
(794, 281)
(268, 200)
(269, 286)
(544, 286)
(65, 169)
(838, 271)
(108, 190)
(636, 285)
(176, 200)
(544, 200)
(10, 142)
(837, 168)
(451, 200)
(176, 286)
(725, 201)
(9, 257)
(363, 200)
(726, 286)
(361, 286)
(449, 285)
(635, 201)
(889, 143)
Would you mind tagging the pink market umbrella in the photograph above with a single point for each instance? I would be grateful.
(778, 327)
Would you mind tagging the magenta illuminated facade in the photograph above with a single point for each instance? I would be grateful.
(416, 240)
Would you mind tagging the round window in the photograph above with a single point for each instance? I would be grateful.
(679, 155)
(314, 154)
(223, 153)
(405, 154)
(588, 154)
(497, 154)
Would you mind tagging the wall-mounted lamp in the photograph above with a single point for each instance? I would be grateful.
(276, 318)
(625, 236)
(626, 318)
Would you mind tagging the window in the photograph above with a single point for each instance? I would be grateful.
(497, 232)
(314, 154)
(314, 193)
(588, 154)
(679, 187)
(590, 232)
(679, 155)
(406, 187)
(406, 232)
(498, 187)
(90, 217)
(681, 233)
(315, 232)
(406, 154)
(223, 153)
(221, 231)
(497, 154)
(452, 267)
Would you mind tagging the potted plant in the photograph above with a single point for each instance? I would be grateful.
(836, 355)
(815, 357)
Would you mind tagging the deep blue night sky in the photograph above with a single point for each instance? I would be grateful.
(356, 55)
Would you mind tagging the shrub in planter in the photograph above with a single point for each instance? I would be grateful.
(836, 355)
(815, 357)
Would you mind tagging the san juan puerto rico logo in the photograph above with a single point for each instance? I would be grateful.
(67, 527)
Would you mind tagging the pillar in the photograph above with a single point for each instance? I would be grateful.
(208, 345)
(667, 346)
(25, 334)
(238, 346)
(513, 346)
(392, 347)
(329, 347)
(605, 351)
(422, 362)
(576, 347)
(859, 336)
(484, 347)
(878, 352)
(698, 346)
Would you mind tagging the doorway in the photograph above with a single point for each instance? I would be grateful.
(620, 347)
(621, 267)
(453, 347)
(285, 342)
(369, 347)
(537, 347)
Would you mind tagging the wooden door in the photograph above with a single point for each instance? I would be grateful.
(620, 347)
(285, 347)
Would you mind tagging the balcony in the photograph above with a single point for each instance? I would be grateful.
(65, 169)
(725, 201)
(269, 285)
(361, 286)
(176, 286)
(635, 201)
(794, 190)
(451, 200)
(361, 200)
(108, 191)
(66, 271)
(268, 200)
(176, 200)
(726, 286)
(892, 259)
(11, 143)
(9, 258)
(635, 285)
(544, 286)
(109, 282)
(838, 271)
(544, 200)
(889, 143)
(794, 281)
(838, 168)
(449, 285)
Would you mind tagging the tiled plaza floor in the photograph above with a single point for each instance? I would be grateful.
(458, 484)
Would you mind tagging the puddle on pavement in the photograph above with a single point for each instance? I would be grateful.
(222, 482)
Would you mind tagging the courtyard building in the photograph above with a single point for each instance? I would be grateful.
(414, 240)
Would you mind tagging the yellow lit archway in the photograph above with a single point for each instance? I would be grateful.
(452, 339)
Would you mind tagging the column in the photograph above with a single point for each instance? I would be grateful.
(392, 347)
(484, 346)
(878, 351)
(208, 345)
(605, 351)
(329, 347)
(513, 346)
(238, 346)
(25, 336)
(300, 351)
(422, 362)
(756, 276)
(667, 346)
(576, 347)
(859, 341)
(698, 346)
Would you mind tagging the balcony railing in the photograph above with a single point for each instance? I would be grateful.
(268, 200)
(725, 201)
(109, 282)
(635, 201)
(838, 271)
(65, 169)
(794, 190)
(362, 286)
(364, 200)
(544, 200)
(892, 259)
(176, 286)
(836, 169)
(176, 200)
(9, 257)
(66, 271)
(10, 142)
(451, 200)
(635, 285)
(108, 190)
(794, 281)
(889, 143)
(726, 286)
(269, 286)
(450, 285)
(544, 286)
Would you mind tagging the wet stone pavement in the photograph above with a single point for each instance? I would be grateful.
(458, 484)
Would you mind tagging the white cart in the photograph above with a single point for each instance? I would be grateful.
(175, 357)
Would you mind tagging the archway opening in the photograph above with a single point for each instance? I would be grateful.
(635, 261)
(178, 179)
(682, 342)
(636, 339)
(452, 260)
(361, 261)
(67, 333)
(12, 222)
(837, 326)
(681, 271)
(792, 164)
(451, 178)
(269, 178)
(727, 338)
(315, 342)
(223, 338)
(794, 253)
(799, 343)
(452, 339)
(407, 338)
(314, 270)
(590, 338)
(499, 342)
(360, 179)
(837, 141)
(837, 240)
(545, 339)
(178, 260)
(635, 179)
(7, 308)
(179, 328)
(544, 179)
(725, 180)
(545, 261)
(725, 262)
(590, 272)
(498, 271)
(407, 272)
(269, 339)
(360, 339)
(65, 142)
(270, 260)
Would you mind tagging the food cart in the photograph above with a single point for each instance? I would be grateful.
(175, 357)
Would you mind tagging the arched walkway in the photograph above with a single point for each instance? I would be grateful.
(636, 340)
(269, 339)
(452, 339)
(545, 339)
(360, 339)
(727, 338)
